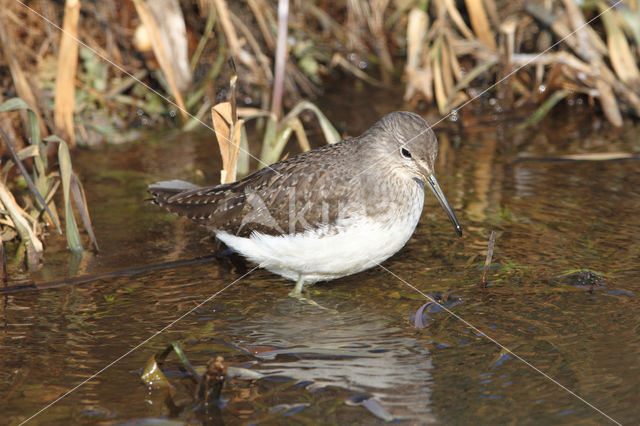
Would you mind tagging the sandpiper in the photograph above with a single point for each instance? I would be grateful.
(326, 213)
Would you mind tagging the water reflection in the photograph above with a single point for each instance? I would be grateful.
(351, 347)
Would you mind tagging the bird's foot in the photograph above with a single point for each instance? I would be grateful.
(306, 299)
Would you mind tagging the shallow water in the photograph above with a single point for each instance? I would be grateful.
(551, 218)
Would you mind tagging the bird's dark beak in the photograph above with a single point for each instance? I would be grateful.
(437, 191)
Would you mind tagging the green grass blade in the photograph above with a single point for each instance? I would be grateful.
(73, 235)
(331, 135)
(77, 191)
(282, 137)
(268, 142)
(16, 104)
(28, 179)
(469, 77)
(23, 154)
(544, 109)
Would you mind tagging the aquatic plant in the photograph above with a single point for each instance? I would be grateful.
(26, 220)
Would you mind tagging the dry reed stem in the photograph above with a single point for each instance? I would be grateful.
(508, 28)
(622, 60)
(417, 25)
(600, 78)
(609, 103)
(376, 26)
(455, 65)
(228, 28)
(578, 27)
(159, 51)
(260, 73)
(480, 23)
(356, 20)
(339, 60)
(19, 78)
(447, 72)
(441, 96)
(492, 12)
(169, 19)
(454, 14)
(233, 149)
(66, 73)
(301, 135)
(260, 9)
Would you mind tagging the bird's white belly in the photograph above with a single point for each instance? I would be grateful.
(359, 244)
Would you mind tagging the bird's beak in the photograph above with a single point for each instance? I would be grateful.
(437, 191)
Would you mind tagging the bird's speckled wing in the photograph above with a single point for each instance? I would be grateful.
(303, 192)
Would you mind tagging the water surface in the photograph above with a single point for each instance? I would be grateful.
(562, 294)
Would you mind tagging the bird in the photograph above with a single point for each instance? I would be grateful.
(325, 213)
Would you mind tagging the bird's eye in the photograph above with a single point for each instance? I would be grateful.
(405, 153)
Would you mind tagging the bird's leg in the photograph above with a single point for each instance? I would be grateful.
(297, 291)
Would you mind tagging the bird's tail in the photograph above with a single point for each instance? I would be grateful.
(186, 199)
(162, 191)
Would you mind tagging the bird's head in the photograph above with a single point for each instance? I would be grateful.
(411, 148)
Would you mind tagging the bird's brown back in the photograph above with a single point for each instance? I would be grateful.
(287, 197)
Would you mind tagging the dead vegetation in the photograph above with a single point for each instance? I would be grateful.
(541, 53)
(95, 71)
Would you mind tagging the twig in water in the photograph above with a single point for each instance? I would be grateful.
(5, 277)
(113, 274)
(487, 262)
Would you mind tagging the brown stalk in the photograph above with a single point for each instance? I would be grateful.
(480, 23)
(508, 28)
(339, 60)
(418, 22)
(439, 90)
(455, 65)
(19, 78)
(594, 74)
(355, 21)
(447, 73)
(228, 28)
(263, 69)
(492, 12)
(159, 51)
(376, 26)
(172, 29)
(5, 276)
(487, 262)
(457, 19)
(609, 103)
(66, 73)
(578, 27)
(622, 60)
(260, 9)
